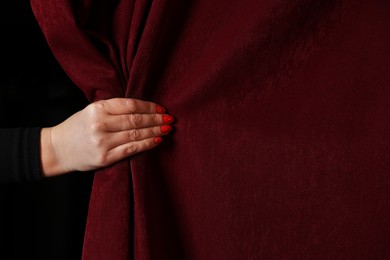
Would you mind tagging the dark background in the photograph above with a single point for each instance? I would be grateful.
(45, 219)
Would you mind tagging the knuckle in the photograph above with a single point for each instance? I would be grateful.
(154, 131)
(96, 107)
(133, 135)
(130, 103)
(98, 126)
(95, 112)
(149, 144)
(97, 141)
(131, 149)
(101, 159)
(157, 119)
(136, 120)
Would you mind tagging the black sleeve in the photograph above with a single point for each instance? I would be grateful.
(20, 154)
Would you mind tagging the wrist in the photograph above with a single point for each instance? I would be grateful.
(50, 163)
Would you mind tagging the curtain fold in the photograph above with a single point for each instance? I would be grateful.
(282, 138)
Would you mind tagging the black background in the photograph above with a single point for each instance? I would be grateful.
(45, 219)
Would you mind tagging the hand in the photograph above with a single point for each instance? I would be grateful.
(102, 133)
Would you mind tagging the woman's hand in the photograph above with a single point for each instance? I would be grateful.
(102, 133)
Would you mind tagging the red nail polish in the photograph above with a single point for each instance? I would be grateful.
(167, 119)
(160, 109)
(166, 128)
(157, 140)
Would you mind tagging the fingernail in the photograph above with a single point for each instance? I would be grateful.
(167, 119)
(165, 129)
(157, 140)
(160, 109)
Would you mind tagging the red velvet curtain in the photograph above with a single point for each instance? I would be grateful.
(282, 141)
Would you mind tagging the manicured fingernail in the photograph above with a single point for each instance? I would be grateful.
(160, 109)
(165, 129)
(157, 140)
(167, 119)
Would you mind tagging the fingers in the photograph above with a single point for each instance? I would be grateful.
(123, 137)
(119, 106)
(105, 132)
(136, 121)
(127, 143)
(128, 149)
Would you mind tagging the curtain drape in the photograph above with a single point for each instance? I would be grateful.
(282, 141)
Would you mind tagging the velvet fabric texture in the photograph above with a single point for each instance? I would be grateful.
(282, 141)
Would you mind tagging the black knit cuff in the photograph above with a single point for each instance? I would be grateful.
(33, 154)
(20, 155)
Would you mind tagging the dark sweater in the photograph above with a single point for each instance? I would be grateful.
(20, 154)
